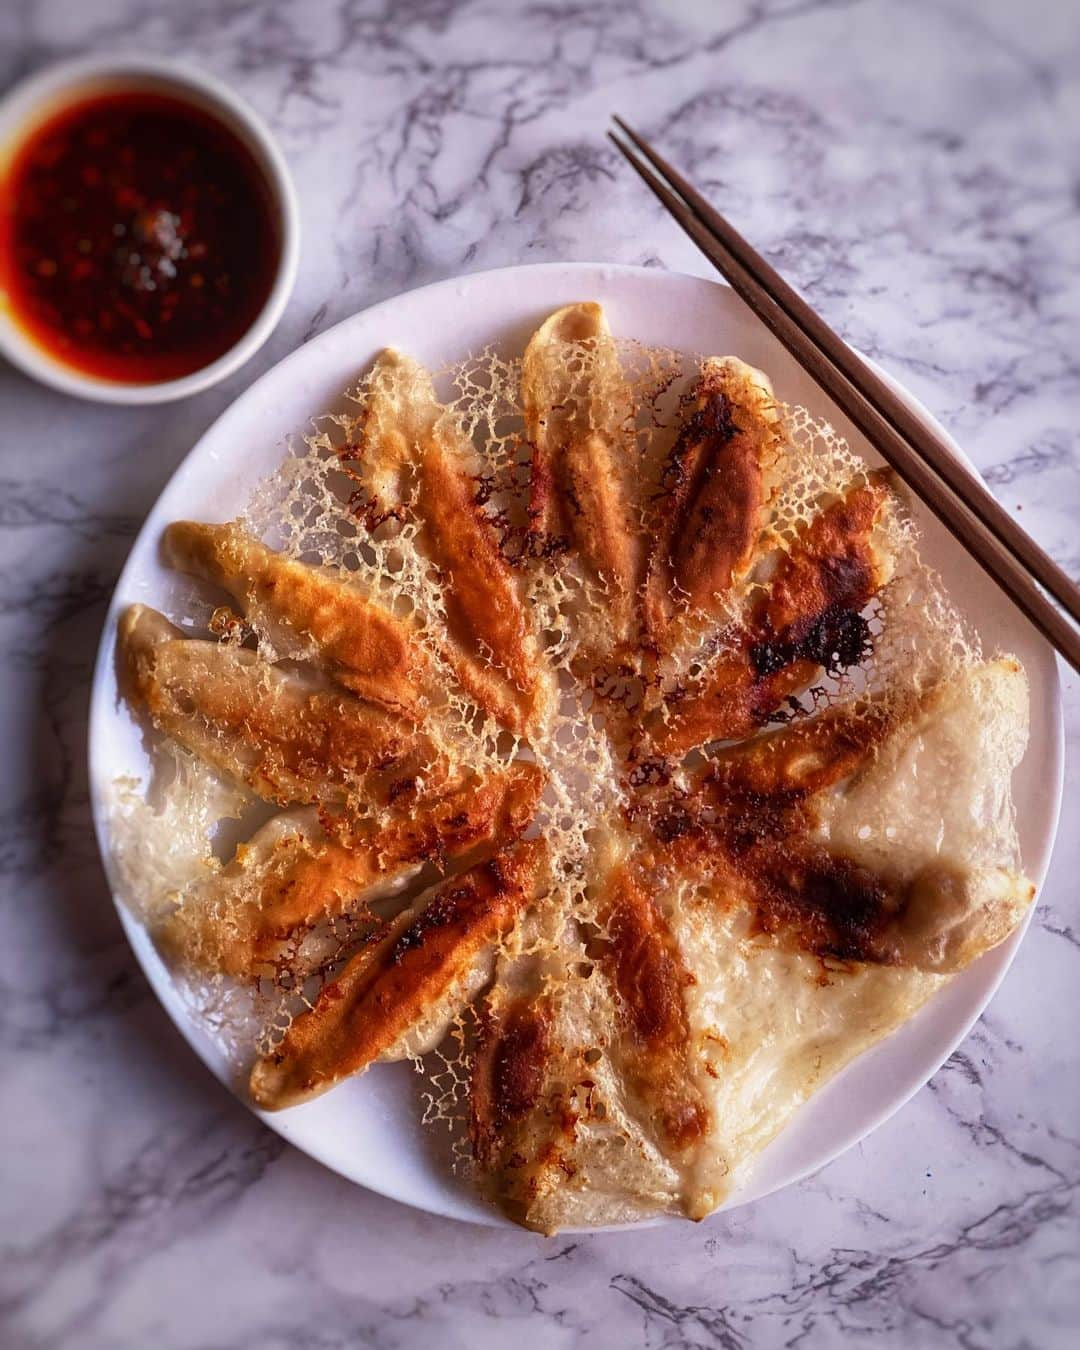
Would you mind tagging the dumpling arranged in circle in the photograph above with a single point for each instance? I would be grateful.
(598, 721)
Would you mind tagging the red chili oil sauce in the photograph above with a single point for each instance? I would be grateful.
(138, 238)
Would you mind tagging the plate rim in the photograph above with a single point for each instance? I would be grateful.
(1005, 953)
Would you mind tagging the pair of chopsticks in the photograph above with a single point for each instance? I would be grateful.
(919, 455)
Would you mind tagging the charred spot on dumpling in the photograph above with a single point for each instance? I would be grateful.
(514, 1049)
(834, 640)
(829, 905)
(810, 618)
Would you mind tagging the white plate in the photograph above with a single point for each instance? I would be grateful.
(368, 1129)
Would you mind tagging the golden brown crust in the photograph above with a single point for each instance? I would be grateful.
(758, 857)
(712, 510)
(807, 756)
(650, 977)
(414, 464)
(283, 737)
(509, 1076)
(274, 889)
(809, 617)
(273, 894)
(575, 421)
(527, 1096)
(732, 702)
(426, 957)
(365, 646)
(587, 503)
(484, 610)
(833, 569)
(750, 823)
(319, 879)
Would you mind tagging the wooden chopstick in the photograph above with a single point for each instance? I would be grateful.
(924, 461)
(984, 505)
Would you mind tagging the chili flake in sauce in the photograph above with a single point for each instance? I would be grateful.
(138, 241)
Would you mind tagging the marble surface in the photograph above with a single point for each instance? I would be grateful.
(914, 169)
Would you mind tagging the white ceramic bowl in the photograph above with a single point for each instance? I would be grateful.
(369, 1128)
(38, 97)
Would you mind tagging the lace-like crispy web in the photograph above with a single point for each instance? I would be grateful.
(314, 509)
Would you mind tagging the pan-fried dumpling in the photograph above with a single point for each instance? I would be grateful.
(305, 610)
(287, 736)
(417, 466)
(252, 916)
(808, 616)
(399, 993)
(579, 421)
(718, 482)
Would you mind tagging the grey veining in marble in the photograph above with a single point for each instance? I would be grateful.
(915, 168)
